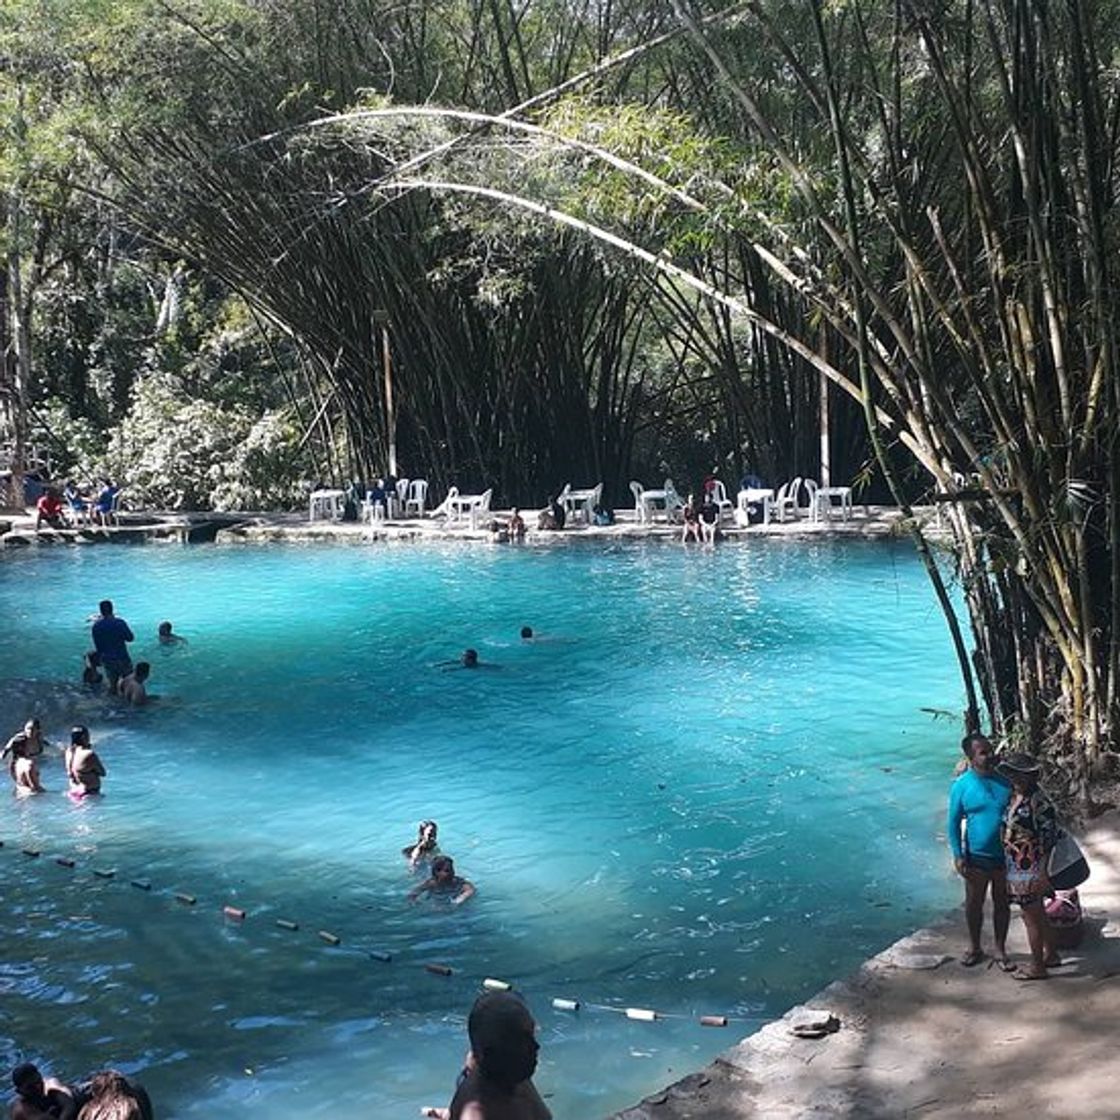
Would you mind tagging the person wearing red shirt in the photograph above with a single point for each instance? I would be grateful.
(49, 509)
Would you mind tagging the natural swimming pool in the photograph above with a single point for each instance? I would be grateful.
(711, 793)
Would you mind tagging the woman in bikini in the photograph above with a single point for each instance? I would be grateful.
(1030, 831)
(83, 767)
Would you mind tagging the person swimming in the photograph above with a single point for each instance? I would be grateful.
(167, 638)
(426, 847)
(469, 660)
(443, 882)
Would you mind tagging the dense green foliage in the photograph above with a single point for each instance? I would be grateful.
(604, 242)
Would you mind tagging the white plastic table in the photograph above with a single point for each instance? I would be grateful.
(823, 503)
(465, 505)
(579, 501)
(326, 505)
(750, 497)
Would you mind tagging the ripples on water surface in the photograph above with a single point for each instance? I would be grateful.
(708, 789)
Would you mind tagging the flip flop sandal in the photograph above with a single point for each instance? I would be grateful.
(1005, 964)
(1022, 974)
(972, 957)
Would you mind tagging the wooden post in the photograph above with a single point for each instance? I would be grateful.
(382, 319)
(826, 465)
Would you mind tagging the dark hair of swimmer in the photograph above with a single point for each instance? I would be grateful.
(142, 670)
(470, 658)
(526, 631)
(441, 864)
(164, 629)
(26, 1076)
(105, 607)
(79, 735)
(503, 1040)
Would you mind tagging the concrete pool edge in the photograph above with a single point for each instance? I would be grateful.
(866, 522)
(920, 1032)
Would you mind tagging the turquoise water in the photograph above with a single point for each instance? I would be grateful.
(709, 790)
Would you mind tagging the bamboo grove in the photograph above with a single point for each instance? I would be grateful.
(620, 238)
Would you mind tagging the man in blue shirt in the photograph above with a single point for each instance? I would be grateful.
(977, 801)
(110, 638)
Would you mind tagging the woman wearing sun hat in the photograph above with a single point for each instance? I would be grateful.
(1030, 831)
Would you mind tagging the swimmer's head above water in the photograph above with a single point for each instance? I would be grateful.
(526, 632)
(470, 658)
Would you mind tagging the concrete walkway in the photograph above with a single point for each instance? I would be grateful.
(17, 529)
(922, 1036)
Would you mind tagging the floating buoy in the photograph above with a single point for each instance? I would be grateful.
(105, 872)
(142, 884)
(330, 938)
(32, 852)
(713, 1020)
(641, 1014)
(492, 985)
(379, 955)
(566, 1004)
(438, 969)
(284, 923)
(234, 913)
(64, 861)
(186, 899)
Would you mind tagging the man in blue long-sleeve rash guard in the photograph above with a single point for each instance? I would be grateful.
(977, 801)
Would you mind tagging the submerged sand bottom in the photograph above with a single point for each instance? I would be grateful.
(922, 1036)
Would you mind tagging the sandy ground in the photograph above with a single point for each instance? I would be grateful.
(922, 1036)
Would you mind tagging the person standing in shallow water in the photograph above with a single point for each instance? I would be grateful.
(84, 769)
(111, 636)
(977, 801)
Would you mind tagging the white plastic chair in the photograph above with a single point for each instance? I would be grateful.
(593, 503)
(417, 497)
(719, 496)
(786, 500)
(811, 489)
(446, 508)
(481, 508)
(674, 503)
(636, 489)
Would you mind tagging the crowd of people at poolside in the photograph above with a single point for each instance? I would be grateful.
(1003, 830)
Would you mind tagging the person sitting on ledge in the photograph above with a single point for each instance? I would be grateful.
(554, 517)
(48, 509)
(516, 525)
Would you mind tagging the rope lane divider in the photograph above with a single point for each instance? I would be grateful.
(239, 915)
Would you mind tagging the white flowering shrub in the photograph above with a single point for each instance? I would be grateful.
(175, 452)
